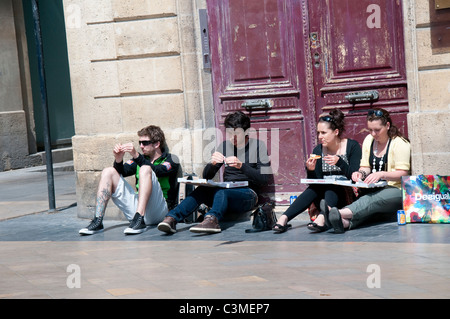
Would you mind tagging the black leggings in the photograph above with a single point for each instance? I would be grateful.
(334, 195)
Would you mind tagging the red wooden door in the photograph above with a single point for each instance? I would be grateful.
(258, 66)
(358, 61)
(286, 62)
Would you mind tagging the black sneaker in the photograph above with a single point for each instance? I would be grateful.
(95, 226)
(137, 225)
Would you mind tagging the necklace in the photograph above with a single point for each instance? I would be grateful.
(382, 159)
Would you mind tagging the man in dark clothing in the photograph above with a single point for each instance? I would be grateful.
(156, 175)
(245, 159)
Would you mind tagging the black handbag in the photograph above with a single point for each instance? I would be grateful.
(264, 218)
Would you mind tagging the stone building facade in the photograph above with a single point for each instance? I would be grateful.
(139, 62)
(135, 62)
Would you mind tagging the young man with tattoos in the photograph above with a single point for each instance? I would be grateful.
(156, 181)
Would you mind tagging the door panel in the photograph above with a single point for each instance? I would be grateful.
(256, 60)
(357, 47)
(357, 52)
(251, 39)
(286, 62)
(257, 55)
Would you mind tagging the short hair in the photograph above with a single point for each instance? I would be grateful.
(155, 133)
(237, 120)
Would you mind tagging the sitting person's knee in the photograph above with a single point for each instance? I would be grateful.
(145, 170)
(109, 171)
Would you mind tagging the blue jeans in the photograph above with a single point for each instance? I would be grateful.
(220, 200)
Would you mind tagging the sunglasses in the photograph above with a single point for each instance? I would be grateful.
(377, 113)
(326, 119)
(146, 143)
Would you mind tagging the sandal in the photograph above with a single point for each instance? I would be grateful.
(326, 212)
(336, 221)
(317, 228)
(280, 228)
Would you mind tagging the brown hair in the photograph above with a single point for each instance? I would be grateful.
(335, 120)
(155, 134)
(384, 117)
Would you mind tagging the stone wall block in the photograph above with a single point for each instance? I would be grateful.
(93, 153)
(154, 37)
(104, 80)
(150, 76)
(425, 57)
(430, 144)
(140, 111)
(102, 41)
(133, 9)
(435, 91)
(13, 140)
(102, 116)
(422, 12)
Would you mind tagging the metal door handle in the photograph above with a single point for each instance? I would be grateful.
(367, 96)
(257, 104)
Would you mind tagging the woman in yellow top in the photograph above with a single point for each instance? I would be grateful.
(385, 156)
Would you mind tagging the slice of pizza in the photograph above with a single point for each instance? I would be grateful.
(314, 156)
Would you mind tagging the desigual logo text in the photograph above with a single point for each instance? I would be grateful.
(434, 197)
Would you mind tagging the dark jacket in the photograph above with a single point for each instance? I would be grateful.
(354, 154)
(166, 170)
(255, 168)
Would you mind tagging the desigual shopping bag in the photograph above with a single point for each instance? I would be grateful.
(426, 198)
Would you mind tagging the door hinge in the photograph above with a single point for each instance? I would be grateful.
(206, 53)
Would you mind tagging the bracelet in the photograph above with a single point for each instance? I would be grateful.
(364, 174)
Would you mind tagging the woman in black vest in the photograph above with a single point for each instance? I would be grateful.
(338, 156)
